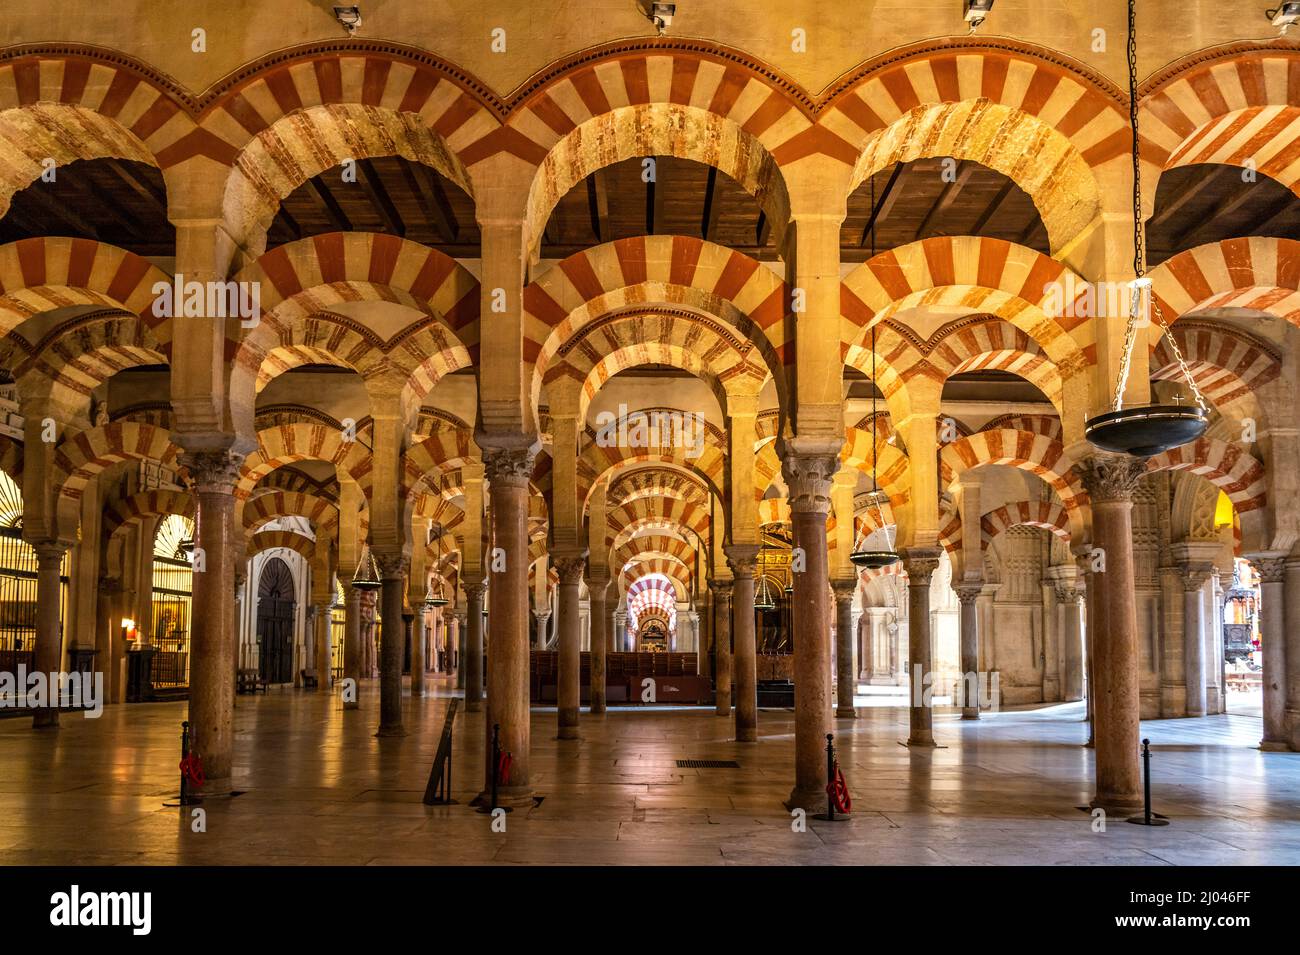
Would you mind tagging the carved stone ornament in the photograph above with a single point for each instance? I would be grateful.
(509, 467)
(809, 477)
(1111, 478)
(212, 472)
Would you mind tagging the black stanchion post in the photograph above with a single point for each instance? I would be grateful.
(1148, 818)
(496, 761)
(185, 761)
(830, 777)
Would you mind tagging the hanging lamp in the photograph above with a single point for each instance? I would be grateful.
(764, 600)
(1149, 429)
(436, 598)
(367, 573)
(874, 559)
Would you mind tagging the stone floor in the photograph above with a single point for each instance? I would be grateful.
(319, 788)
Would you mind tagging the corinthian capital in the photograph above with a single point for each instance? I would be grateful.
(1110, 478)
(920, 563)
(511, 467)
(212, 472)
(569, 567)
(742, 559)
(809, 478)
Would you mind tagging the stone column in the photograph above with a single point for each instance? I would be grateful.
(809, 477)
(568, 690)
(597, 587)
(351, 647)
(324, 669)
(1194, 663)
(418, 638)
(721, 590)
(743, 560)
(1272, 575)
(1110, 480)
(472, 665)
(845, 643)
(968, 594)
(1292, 611)
(48, 658)
(508, 471)
(1071, 641)
(703, 666)
(392, 574)
(212, 610)
(920, 563)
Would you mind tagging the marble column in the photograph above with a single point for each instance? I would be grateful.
(568, 691)
(597, 587)
(809, 478)
(1194, 662)
(352, 646)
(968, 594)
(1068, 598)
(472, 665)
(418, 638)
(743, 560)
(721, 591)
(703, 666)
(1272, 609)
(1110, 480)
(508, 472)
(392, 574)
(48, 658)
(1292, 709)
(846, 670)
(324, 670)
(212, 610)
(920, 563)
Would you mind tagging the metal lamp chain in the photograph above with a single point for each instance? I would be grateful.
(1139, 247)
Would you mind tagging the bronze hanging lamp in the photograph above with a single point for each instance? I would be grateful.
(436, 597)
(367, 572)
(1149, 429)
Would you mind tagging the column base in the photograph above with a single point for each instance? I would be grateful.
(351, 706)
(474, 706)
(387, 731)
(747, 734)
(809, 800)
(45, 720)
(567, 732)
(1273, 746)
(970, 712)
(1116, 803)
(846, 713)
(921, 742)
(597, 708)
(218, 786)
(508, 797)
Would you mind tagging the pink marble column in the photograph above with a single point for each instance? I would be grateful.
(967, 594)
(212, 620)
(472, 666)
(597, 587)
(1110, 481)
(508, 472)
(846, 670)
(1272, 609)
(48, 658)
(721, 590)
(920, 563)
(568, 689)
(808, 477)
(392, 574)
(743, 560)
(352, 645)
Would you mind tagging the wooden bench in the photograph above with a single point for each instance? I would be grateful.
(250, 681)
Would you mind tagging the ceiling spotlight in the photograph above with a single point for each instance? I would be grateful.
(350, 17)
(1285, 16)
(975, 11)
(661, 15)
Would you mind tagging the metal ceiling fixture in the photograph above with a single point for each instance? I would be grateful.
(367, 573)
(349, 17)
(874, 559)
(1284, 16)
(1150, 429)
(975, 11)
(764, 599)
(436, 598)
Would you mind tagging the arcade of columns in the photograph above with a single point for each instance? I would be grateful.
(519, 476)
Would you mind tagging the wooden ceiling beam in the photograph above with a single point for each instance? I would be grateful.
(379, 197)
(992, 208)
(325, 202)
(598, 204)
(712, 207)
(427, 188)
(884, 203)
(947, 196)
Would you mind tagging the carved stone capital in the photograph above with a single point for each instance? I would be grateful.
(212, 472)
(473, 590)
(509, 467)
(1195, 574)
(49, 553)
(742, 559)
(569, 567)
(920, 564)
(1272, 570)
(967, 593)
(392, 566)
(1111, 478)
(809, 478)
(845, 589)
(720, 589)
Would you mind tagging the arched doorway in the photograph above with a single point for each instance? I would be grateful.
(275, 605)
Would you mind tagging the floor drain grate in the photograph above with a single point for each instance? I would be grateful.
(707, 764)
